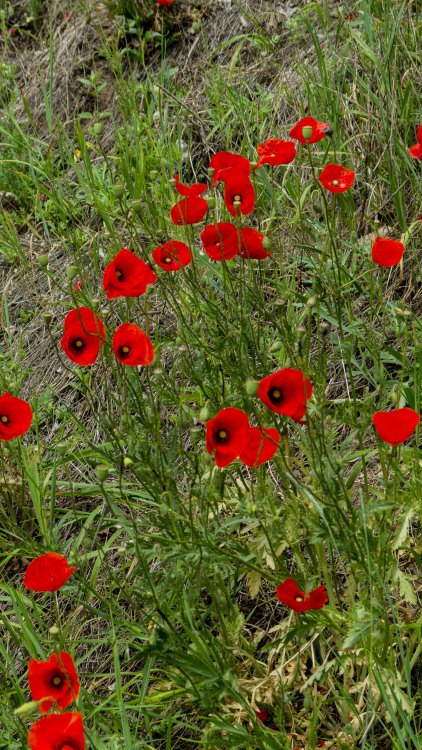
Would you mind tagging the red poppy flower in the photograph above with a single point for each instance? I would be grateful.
(15, 417)
(258, 447)
(55, 678)
(416, 151)
(394, 427)
(83, 335)
(227, 434)
(47, 573)
(290, 594)
(317, 130)
(275, 152)
(220, 241)
(261, 714)
(223, 161)
(79, 284)
(172, 255)
(336, 178)
(127, 276)
(58, 732)
(189, 211)
(284, 392)
(251, 244)
(132, 346)
(193, 190)
(387, 252)
(239, 188)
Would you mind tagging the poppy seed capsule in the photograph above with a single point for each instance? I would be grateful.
(211, 171)
(127, 462)
(54, 632)
(102, 472)
(266, 243)
(98, 128)
(61, 448)
(307, 132)
(43, 261)
(47, 317)
(276, 346)
(119, 191)
(251, 387)
(210, 202)
(136, 206)
(71, 272)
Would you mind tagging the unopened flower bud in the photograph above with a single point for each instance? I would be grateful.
(102, 472)
(196, 27)
(98, 128)
(211, 171)
(196, 326)
(127, 462)
(179, 341)
(43, 261)
(47, 318)
(71, 272)
(210, 202)
(26, 709)
(119, 191)
(276, 346)
(393, 398)
(312, 301)
(266, 243)
(405, 314)
(251, 387)
(307, 132)
(204, 414)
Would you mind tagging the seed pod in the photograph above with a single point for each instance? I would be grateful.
(43, 260)
(307, 132)
(71, 272)
(119, 191)
(276, 346)
(102, 472)
(266, 243)
(251, 387)
(98, 128)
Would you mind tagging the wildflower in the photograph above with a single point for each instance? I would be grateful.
(172, 255)
(275, 152)
(394, 427)
(192, 191)
(132, 346)
(222, 161)
(239, 189)
(387, 252)
(286, 392)
(220, 241)
(227, 433)
(416, 151)
(58, 732)
(317, 130)
(79, 284)
(83, 335)
(47, 573)
(252, 244)
(164, 2)
(127, 276)
(55, 678)
(336, 178)
(260, 446)
(290, 594)
(189, 211)
(261, 714)
(15, 417)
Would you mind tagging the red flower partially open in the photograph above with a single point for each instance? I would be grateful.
(79, 284)
(227, 434)
(56, 678)
(251, 244)
(220, 241)
(172, 255)
(286, 392)
(336, 178)
(317, 130)
(275, 152)
(225, 160)
(394, 427)
(83, 335)
(47, 573)
(239, 188)
(259, 447)
(387, 252)
(15, 417)
(132, 346)
(58, 732)
(191, 190)
(189, 211)
(416, 151)
(127, 276)
(290, 594)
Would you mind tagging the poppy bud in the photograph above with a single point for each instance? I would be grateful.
(204, 414)
(266, 243)
(210, 202)
(211, 171)
(405, 314)
(276, 346)
(136, 207)
(393, 398)
(54, 632)
(165, 164)
(127, 462)
(43, 261)
(307, 132)
(251, 387)
(353, 236)
(71, 272)
(47, 317)
(21, 354)
(26, 709)
(196, 27)
(307, 701)
(119, 191)
(328, 131)
(312, 301)
(196, 326)
(156, 117)
(98, 128)
(102, 472)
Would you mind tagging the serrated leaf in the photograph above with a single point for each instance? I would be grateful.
(253, 582)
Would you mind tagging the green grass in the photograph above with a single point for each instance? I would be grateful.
(171, 616)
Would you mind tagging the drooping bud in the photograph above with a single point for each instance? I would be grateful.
(26, 709)
(251, 387)
(119, 191)
(204, 414)
(307, 132)
(276, 346)
(196, 27)
(71, 272)
(393, 398)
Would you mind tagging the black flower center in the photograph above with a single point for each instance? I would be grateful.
(222, 437)
(57, 681)
(167, 260)
(299, 598)
(276, 395)
(124, 351)
(4, 419)
(78, 344)
(119, 274)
